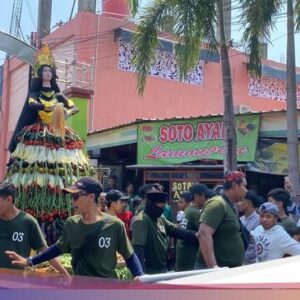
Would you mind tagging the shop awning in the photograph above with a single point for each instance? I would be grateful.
(179, 166)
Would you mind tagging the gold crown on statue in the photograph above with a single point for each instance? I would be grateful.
(43, 57)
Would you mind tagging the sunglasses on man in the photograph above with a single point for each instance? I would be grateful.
(77, 195)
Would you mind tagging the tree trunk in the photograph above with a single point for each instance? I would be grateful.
(292, 135)
(230, 147)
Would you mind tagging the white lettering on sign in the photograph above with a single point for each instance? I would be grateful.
(179, 187)
(104, 242)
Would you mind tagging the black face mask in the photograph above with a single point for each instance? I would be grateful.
(153, 211)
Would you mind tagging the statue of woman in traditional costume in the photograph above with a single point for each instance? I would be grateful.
(46, 155)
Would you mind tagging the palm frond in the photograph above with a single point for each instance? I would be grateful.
(145, 41)
(133, 6)
(257, 19)
(297, 14)
(192, 23)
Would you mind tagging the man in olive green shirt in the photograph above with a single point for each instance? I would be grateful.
(150, 232)
(20, 234)
(219, 233)
(19, 231)
(186, 252)
(92, 237)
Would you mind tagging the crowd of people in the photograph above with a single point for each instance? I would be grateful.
(228, 229)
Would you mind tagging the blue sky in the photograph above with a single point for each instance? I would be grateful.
(61, 12)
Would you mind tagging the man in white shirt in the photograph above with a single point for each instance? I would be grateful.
(272, 241)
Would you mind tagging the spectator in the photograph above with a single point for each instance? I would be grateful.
(112, 183)
(131, 196)
(185, 252)
(114, 202)
(248, 207)
(296, 234)
(281, 198)
(102, 202)
(250, 220)
(136, 203)
(294, 207)
(150, 231)
(219, 233)
(183, 202)
(19, 231)
(126, 215)
(272, 241)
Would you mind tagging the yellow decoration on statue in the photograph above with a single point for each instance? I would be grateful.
(44, 57)
(58, 121)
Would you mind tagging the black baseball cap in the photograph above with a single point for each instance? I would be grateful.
(114, 195)
(201, 189)
(87, 184)
(157, 196)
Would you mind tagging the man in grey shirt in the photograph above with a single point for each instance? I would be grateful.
(250, 220)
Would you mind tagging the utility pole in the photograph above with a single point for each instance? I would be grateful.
(15, 28)
(44, 20)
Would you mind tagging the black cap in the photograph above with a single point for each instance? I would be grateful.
(114, 195)
(157, 197)
(88, 184)
(199, 188)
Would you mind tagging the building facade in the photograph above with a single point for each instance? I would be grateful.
(94, 53)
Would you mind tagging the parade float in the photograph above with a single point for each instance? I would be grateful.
(46, 156)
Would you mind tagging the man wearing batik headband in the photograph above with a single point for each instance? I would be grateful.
(219, 233)
(150, 230)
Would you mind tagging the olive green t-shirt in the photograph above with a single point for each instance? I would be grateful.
(20, 234)
(228, 244)
(152, 235)
(103, 239)
(186, 252)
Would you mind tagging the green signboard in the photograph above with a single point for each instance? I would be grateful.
(171, 142)
(79, 122)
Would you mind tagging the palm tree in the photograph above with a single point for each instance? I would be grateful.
(193, 23)
(258, 19)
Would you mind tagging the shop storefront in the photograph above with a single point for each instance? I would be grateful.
(175, 153)
(178, 152)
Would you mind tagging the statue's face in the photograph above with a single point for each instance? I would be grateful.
(47, 73)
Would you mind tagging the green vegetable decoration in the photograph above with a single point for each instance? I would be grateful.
(40, 167)
(46, 156)
(123, 273)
